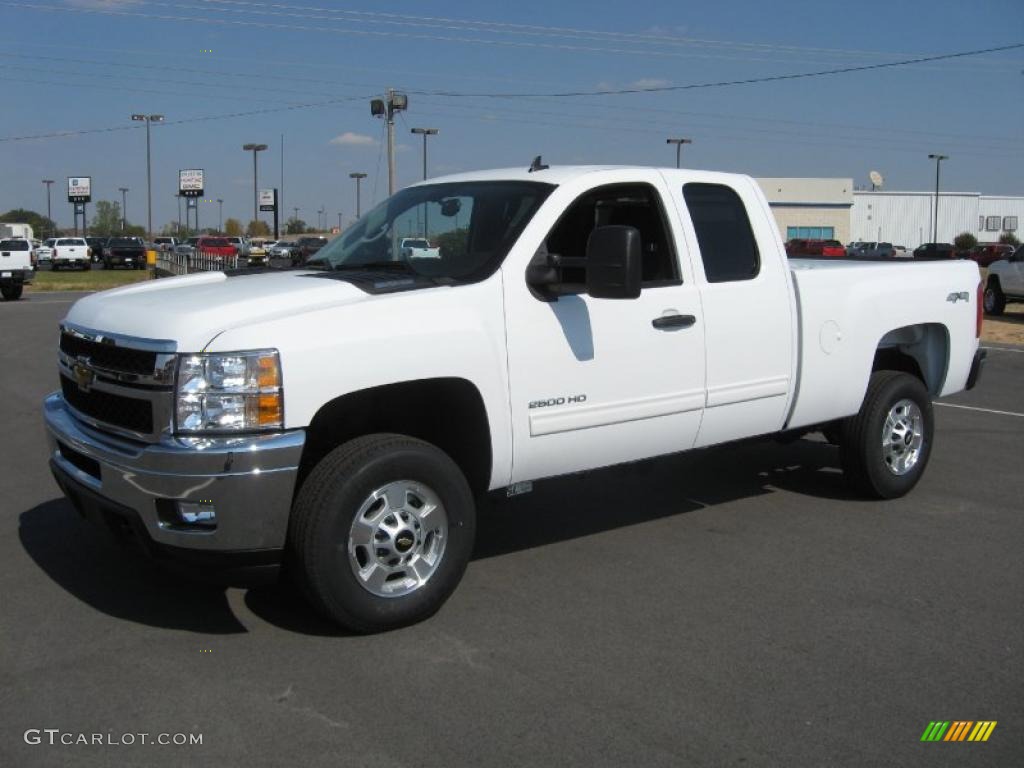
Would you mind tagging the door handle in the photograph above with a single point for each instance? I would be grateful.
(669, 322)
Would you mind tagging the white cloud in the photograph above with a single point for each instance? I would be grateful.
(352, 139)
(649, 82)
(107, 4)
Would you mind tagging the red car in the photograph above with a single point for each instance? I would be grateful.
(986, 253)
(215, 246)
(815, 248)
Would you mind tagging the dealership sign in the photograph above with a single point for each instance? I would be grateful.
(190, 183)
(268, 199)
(79, 189)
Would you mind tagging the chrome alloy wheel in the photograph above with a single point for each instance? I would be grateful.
(397, 539)
(902, 437)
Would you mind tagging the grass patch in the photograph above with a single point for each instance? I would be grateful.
(92, 280)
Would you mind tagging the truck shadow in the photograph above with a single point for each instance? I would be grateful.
(118, 582)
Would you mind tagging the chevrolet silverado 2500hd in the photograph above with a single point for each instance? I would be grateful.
(341, 420)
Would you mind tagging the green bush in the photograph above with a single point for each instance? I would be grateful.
(964, 241)
(1009, 238)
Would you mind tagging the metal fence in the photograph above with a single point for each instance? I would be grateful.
(197, 261)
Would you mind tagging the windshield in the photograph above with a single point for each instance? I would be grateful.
(14, 245)
(216, 242)
(473, 224)
(122, 241)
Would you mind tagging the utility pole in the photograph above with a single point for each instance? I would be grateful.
(178, 195)
(296, 215)
(124, 207)
(339, 221)
(220, 216)
(358, 176)
(385, 108)
(935, 221)
(255, 149)
(320, 219)
(149, 170)
(679, 148)
(49, 216)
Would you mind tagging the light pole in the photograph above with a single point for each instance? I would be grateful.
(339, 221)
(49, 217)
(124, 207)
(320, 219)
(424, 132)
(255, 149)
(385, 108)
(220, 215)
(358, 176)
(679, 147)
(935, 221)
(147, 119)
(177, 195)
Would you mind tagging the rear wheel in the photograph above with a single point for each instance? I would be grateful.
(11, 292)
(885, 447)
(994, 299)
(381, 532)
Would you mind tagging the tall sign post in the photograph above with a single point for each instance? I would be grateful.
(268, 203)
(191, 185)
(79, 193)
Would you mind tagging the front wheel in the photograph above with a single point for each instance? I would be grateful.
(885, 447)
(381, 532)
(11, 292)
(994, 300)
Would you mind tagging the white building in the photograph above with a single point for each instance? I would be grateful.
(906, 218)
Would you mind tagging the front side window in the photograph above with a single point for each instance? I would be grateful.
(470, 226)
(727, 245)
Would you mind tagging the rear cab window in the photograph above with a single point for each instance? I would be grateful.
(727, 244)
(14, 245)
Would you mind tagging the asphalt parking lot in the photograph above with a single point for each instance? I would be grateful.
(733, 606)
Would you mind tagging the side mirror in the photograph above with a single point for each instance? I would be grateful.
(614, 262)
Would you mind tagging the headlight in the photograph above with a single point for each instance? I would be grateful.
(229, 392)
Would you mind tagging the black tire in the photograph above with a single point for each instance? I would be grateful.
(863, 459)
(86, 266)
(994, 299)
(11, 292)
(324, 512)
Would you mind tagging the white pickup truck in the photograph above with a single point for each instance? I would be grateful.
(16, 267)
(343, 420)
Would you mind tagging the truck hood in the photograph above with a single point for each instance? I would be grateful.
(192, 310)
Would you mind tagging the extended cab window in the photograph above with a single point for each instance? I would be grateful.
(634, 205)
(727, 245)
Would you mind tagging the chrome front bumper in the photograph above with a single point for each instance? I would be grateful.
(248, 480)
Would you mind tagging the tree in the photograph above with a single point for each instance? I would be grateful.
(453, 243)
(41, 226)
(232, 227)
(258, 229)
(964, 241)
(1009, 239)
(106, 220)
(294, 226)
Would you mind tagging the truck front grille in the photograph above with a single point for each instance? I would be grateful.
(125, 412)
(108, 356)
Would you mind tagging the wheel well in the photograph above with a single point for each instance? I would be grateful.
(448, 413)
(920, 350)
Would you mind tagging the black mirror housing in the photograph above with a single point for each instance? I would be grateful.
(614, 267)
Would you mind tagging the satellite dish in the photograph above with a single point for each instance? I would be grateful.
(876, 179)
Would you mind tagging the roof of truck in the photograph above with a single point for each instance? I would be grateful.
(556, 174)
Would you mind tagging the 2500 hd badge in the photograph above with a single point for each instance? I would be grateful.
(558, 401)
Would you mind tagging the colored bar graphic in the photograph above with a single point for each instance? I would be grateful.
(958, 730)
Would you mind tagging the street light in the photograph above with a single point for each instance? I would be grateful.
(254, 148)
(124, 207)
(935, 221)
(147, 119)
(49, 217)
(679, 147)
(385, 109)
(424, 132)
(358, 176)
(220, 215)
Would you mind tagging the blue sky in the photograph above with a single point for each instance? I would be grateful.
(88, 64)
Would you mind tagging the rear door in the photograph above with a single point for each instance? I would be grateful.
(595, 382)
(749, 307)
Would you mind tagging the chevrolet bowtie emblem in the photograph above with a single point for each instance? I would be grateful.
(84, 376)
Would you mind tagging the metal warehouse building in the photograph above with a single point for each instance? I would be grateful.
(830, 209)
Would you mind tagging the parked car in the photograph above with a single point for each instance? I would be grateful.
(306, 246)
(419, 248)
(1005, 282)
(801, 247)
(900, 252)
(282, 249)
(125, 252)
(853, 248)
(342, 429)
(72, 252)
(96, 248)
(241, 245)
(16, 268)
(934, 251)
(877, 250)
(165, 243)
(257, 252)
(187, 247)
(986, 253)
(216, 246)
(44, 253)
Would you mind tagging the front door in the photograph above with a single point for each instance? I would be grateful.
(595, 382)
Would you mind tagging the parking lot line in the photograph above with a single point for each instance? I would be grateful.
(983, 410)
